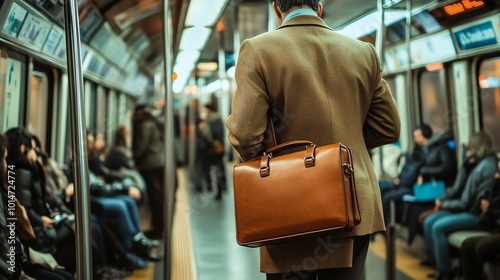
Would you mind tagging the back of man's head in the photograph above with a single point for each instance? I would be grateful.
(286, 5)
(426, 130)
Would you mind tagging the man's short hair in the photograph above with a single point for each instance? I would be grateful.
(426, 130)
(286, 5)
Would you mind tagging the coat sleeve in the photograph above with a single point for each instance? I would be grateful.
(458, 186)
(445, 166)
(382, 124)
(142, 138)
(248, 121)
(481, 179)
(100, 188)
(24, 195)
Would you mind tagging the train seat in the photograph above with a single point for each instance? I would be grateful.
(457, 238)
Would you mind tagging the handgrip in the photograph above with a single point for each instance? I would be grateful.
(288, 145)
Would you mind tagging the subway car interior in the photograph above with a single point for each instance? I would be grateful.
(83, 82)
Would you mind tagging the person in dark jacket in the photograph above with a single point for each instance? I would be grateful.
(454, 208)
(6, 270)
(477, 251)
(217, 176)
(119, 159)
(440, 161)
(149, 157)
(120, 156)
(403, 184)
(30, 190)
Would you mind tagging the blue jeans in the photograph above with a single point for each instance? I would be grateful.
(388, 194)
(438, 226)
(122, 211)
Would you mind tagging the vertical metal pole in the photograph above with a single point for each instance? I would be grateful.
(409, 86)
(391, 229)
(170, 168)
(79, 150)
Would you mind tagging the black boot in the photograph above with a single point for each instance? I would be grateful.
(142, 247)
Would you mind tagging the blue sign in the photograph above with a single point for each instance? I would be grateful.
(476, 36)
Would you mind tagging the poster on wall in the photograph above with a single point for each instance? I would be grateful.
(34, 31)
(14, 20)
(12, 94)
(52, 41)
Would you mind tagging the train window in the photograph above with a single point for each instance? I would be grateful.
(434, 105)
(101, 124)
(392, 84)
(12, 93)
(489, 85)
(88, 105)
(112, 110)
(38, 103)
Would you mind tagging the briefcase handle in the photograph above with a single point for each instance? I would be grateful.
(288, 145)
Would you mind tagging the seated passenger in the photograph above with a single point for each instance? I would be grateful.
(477, 251)
(57, 187)
(440, 160)
(119, 158)
(454, 211)
(408, 176)
(30, 190)
(96, 146)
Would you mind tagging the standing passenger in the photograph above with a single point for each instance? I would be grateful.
(324, 87)
(147, 146)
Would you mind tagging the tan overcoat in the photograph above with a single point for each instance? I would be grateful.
(319, 86)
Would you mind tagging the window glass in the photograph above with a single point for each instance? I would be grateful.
(101, 101)
(434, 107)
(392, 84)
(13, 90)
(39, 99)
(489, 95)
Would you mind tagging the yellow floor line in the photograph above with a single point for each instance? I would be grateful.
(405, 261)
(183, 264)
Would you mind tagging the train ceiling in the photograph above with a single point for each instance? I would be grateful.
(141, 21)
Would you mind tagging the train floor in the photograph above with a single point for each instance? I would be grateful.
(205, 248)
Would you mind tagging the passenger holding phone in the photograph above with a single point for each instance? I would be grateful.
(31, 192)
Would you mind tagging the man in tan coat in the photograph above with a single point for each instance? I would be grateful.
(324, 87)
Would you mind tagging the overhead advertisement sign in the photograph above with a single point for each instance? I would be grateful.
(14, 20)
(434, 48)
(34, 31)
(477, 35)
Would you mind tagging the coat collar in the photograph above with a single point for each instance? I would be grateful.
(305, 20)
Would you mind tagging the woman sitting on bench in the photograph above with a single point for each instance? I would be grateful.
(477, 251)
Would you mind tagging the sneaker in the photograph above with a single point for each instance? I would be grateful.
(134, 262)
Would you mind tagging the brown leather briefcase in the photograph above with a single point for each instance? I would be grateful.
(302, 194)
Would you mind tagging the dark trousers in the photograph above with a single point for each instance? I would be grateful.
(389, 195)
(352, 273)
(155, 186)
(46, 274)
(476, 252)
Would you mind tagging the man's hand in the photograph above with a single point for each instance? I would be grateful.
(484, 205)
(47, 222)
(420, 179)
(134, 193)
(70, 190)
(437, 204)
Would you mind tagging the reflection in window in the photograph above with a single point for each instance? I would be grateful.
(434, 107)
(392, 84)
(489, 84)
(37, 123)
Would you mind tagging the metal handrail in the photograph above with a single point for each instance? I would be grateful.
(79, 150)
